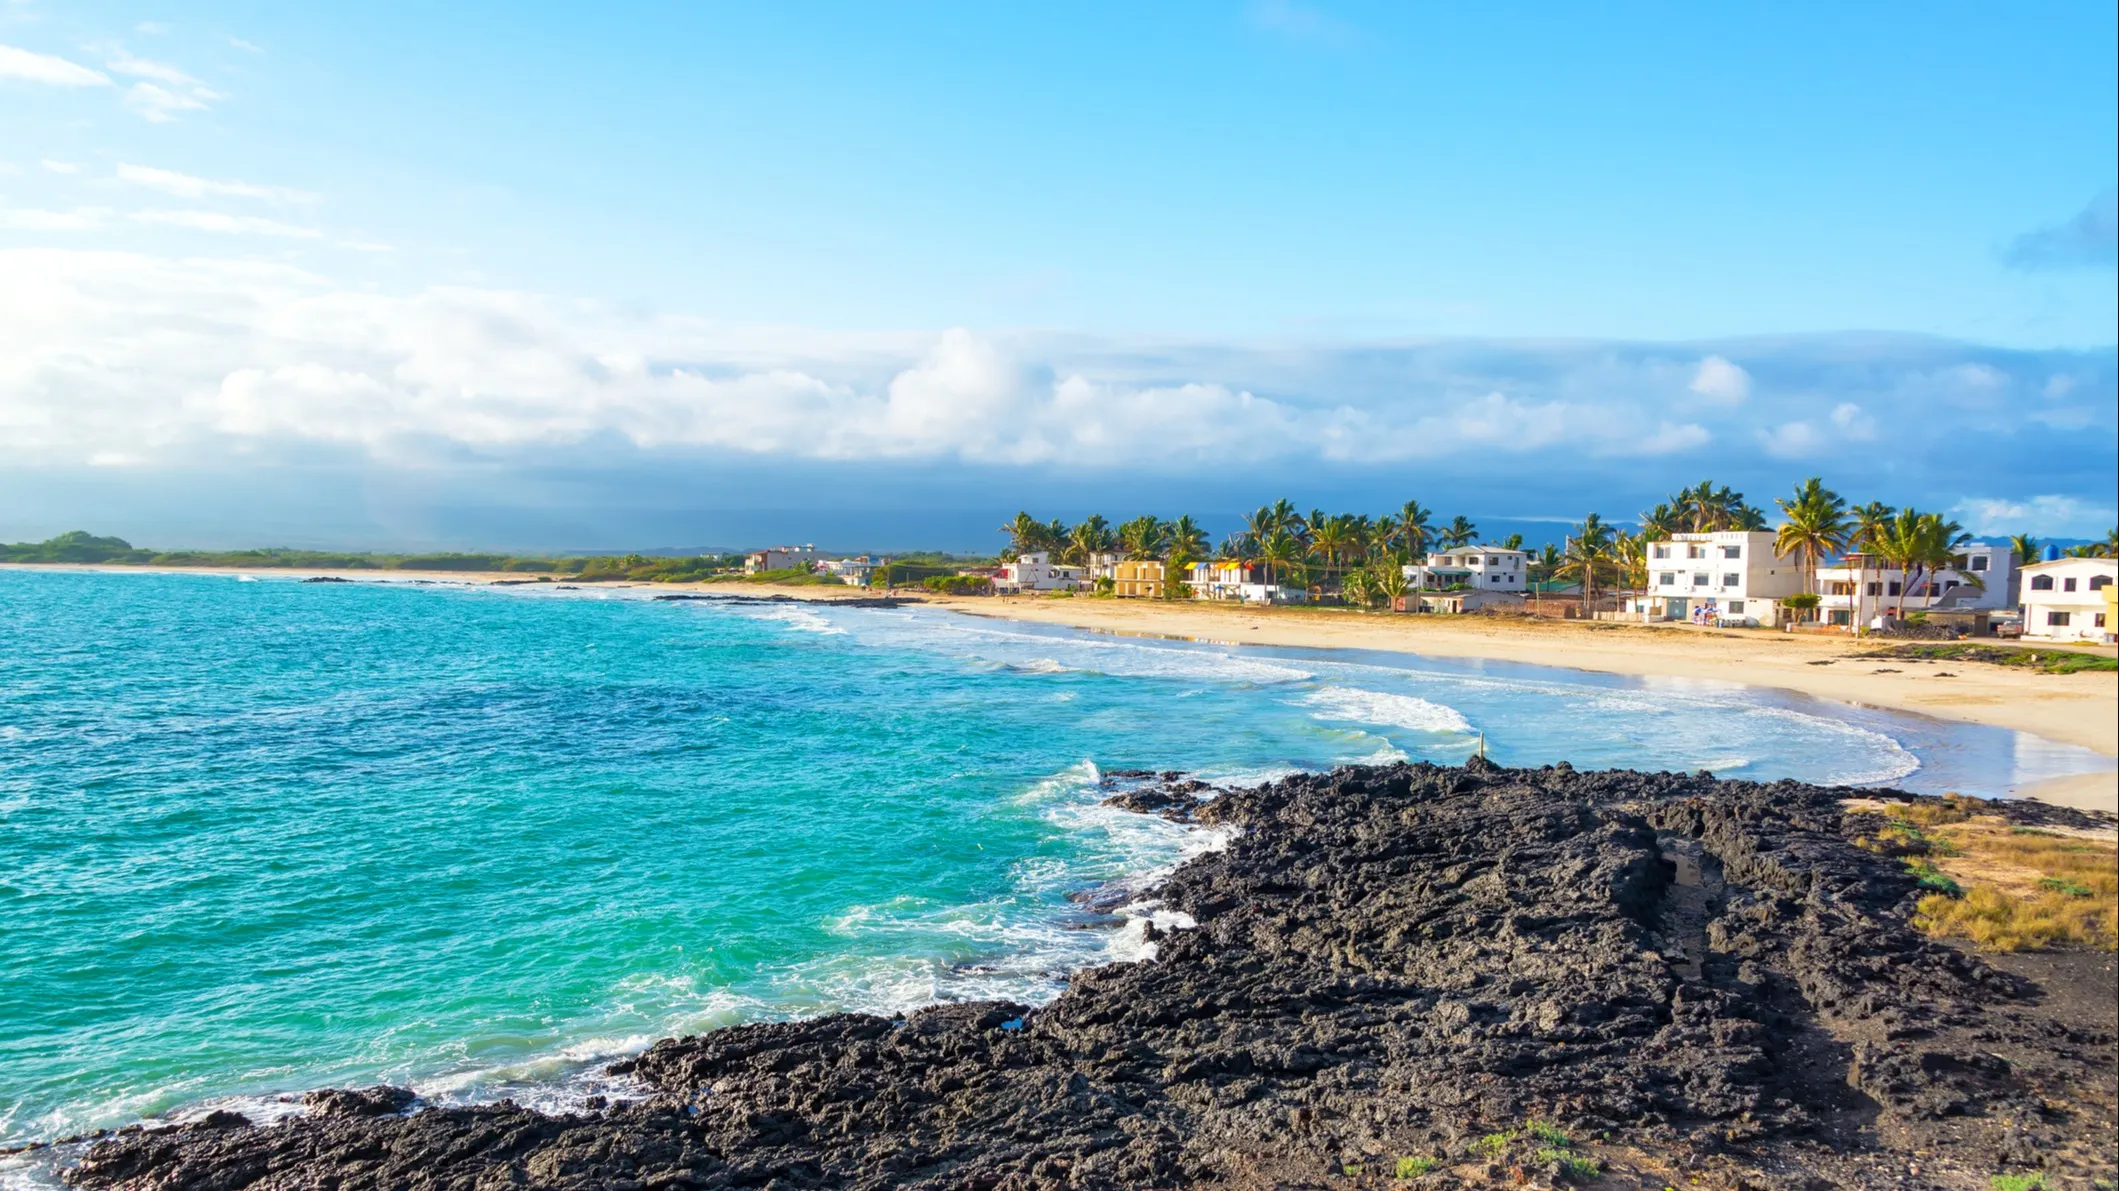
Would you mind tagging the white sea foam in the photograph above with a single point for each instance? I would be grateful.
(1377, 707)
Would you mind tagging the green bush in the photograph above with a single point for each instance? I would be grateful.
(960, 585)
(1413, 1168)
(2019, 1182)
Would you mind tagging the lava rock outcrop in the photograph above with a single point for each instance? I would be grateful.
(1385, 961)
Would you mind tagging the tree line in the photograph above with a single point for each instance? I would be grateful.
(1363, 556)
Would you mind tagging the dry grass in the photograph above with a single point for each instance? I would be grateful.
(2004, 888)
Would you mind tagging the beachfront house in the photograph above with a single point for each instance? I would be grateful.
(854, 572)
(2070, 599)
(1478, 568)
(1223, 580)
(1137, 579)
(1240, 582)
(1732, 576)
(781, 558)
(1863, 589)
(1466, 599)
(1036, 571)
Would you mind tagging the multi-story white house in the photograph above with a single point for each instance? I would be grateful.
(2070, 599)
(779, 558)
(1035, 571)
(1860, 589)
(1484, 568)
(1730, 575)
(854, 572)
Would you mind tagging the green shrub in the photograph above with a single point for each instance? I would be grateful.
(2019, 1182)
(1492, 1144)
(1934, 878)
(960, 585)
(1551, 1136)
(1413, 1168)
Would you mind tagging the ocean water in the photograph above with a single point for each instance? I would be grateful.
(259, 836)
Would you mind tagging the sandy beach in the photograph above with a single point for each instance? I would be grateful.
(2079, 709)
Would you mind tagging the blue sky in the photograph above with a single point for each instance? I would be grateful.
(1103, 254)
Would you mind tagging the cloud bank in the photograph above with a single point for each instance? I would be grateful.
(119, 362)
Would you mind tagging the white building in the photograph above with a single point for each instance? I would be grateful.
(1035, 571)
(1222, 580)
(1733, 575)
(780, 558)
(1862, 589)
(2070, 599)
(854, 572)
(1485, 568)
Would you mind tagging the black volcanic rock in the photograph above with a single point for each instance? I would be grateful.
(1386, 961)
(378, 1101)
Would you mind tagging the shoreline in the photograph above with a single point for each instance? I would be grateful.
(2079, 709)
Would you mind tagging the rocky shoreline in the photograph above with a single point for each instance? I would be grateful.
(1398, 976)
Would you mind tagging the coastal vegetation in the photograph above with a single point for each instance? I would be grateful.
(1998, 885)
(2043, 659)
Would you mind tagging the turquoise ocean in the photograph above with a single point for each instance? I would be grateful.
(259, 836)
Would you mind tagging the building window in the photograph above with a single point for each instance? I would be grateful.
(1736, 607)
(2100, 620)
(1667, 579)
(1699, 580)
(2100, 582)
(1732, 552)
(1695, 552)
(2057, 620)
(2041, 583)
(1979, 562)
(1876, 589)
(1894, 588)
(1662, 552)
(1731, 580)
(1842, 616)
(2068, 584)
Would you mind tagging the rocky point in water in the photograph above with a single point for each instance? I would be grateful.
(1401, 976)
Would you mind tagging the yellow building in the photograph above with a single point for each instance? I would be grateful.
(1137, 580)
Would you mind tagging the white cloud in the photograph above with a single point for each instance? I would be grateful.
(188, 186)
(367, 246)
(60, 167)
(48, 69)
(159, 105)
(2043, 516)
(80, 219)
(1719, 380)
(217, 221)
(1854, 423)
(151, 28)
(141, 68)
(1791, 440)
(245, 46)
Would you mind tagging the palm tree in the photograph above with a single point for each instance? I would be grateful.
(1279, 549)
(1025, 534)
(1389, 583)
(1415, 527)
(1142, 538)
(1091, 537)
(1546, 564)
(1587, 553)
(2025, 546)
(1658, 523)
(1187, 538)
(1746, 518)
(2110, 546)
(1919, 544)
(1816, 525)
(1629, 560)
(1284, 516)
(1461, 532)
(1513, 541)
(1329, 538)
(1865, 537)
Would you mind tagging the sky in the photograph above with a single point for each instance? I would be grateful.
(630, 275)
